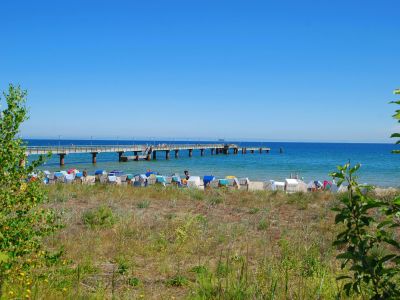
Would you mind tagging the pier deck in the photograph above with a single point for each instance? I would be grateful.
(140, 152)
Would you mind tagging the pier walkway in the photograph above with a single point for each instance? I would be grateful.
(146, 152)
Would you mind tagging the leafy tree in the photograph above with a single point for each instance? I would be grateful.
(23, 222)
(366, 241)
(397, 117)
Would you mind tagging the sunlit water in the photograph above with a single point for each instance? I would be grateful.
(309, 160)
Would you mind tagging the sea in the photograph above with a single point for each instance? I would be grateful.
(311, 161)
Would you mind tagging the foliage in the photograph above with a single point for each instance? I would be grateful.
(22, 223)
(99, 217)
(367, 239)
(397, 117)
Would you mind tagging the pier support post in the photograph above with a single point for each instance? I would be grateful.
(148, 156)
(167, 154)
(202, 152)
(260, 150)
(135, 153)
(226, 149)
(154, 155)
(252, 151)
(120, 155)
(94, 157)
(190, 152)
(267, 150)
(176, 153)
(62, 156)
(212, 151)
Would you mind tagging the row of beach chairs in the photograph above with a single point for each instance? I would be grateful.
(141, 180)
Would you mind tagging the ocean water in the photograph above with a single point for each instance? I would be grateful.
(312, 161)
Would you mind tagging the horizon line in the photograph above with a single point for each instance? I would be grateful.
(156, 139)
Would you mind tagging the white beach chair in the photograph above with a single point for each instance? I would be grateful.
(194, 182)
(69, 178)
(291, 185)
(151, 180)
(277, 185)
(103, 178)
(112, 179)
(244, 182)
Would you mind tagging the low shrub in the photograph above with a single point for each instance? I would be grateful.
(99, 217)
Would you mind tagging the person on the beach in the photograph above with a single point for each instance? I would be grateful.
(84, 173)
(187, 175)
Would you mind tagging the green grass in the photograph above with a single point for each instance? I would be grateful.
(165, 243)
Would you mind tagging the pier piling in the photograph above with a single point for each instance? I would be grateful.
(62, 156)
(94, 157)
(167, 154)
(176, 153)
(190, 152)
(120, 155)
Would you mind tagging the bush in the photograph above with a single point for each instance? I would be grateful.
(372, 272)
(99, 217)
(22, 223)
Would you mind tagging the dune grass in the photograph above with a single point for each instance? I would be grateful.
(168, 243)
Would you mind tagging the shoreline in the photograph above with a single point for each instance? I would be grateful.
(74, 176)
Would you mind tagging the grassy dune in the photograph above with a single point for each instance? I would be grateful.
(158, 243)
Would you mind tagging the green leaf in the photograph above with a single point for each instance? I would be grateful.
(340, 217)
(396, 201)
(4, 257)
(393, 243)
(343, 277)
(387, 257)
(346, 255)
(355, 168)
(383, 224)
(396, 115)
(347, 288)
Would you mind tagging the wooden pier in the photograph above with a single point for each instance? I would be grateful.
(143, 152)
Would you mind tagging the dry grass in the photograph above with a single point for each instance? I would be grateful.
(157, 243)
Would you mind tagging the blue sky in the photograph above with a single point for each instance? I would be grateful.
(255, 70)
